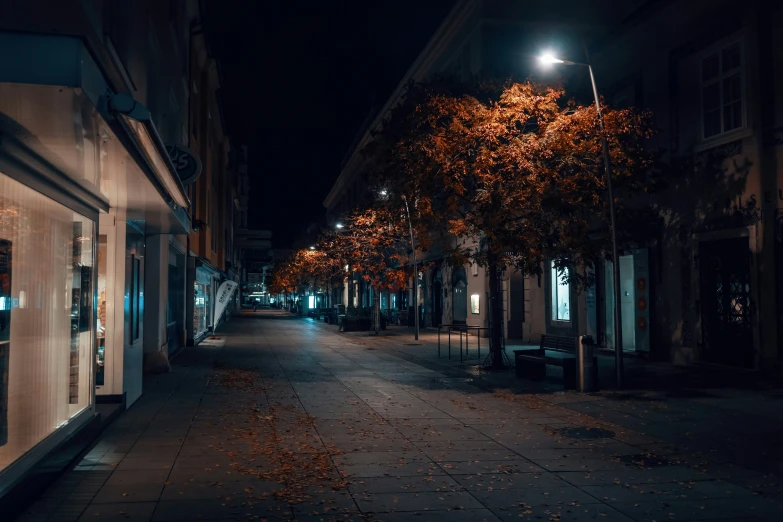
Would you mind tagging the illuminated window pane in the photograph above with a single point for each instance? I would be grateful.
(561, 295)
(474, 304)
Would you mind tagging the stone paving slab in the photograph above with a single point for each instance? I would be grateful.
(286, 419)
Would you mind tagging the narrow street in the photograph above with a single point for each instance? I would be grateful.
(281, 418)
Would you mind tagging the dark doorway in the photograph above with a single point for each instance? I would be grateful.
(437, 303)
(726, 309)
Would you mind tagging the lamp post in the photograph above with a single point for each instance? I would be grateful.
(415, 272)
(550, 59)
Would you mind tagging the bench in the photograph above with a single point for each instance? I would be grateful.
(532, 363)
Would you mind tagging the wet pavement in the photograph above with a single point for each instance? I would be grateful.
(280, 418)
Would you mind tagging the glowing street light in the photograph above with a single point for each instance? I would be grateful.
(339, 225)
(548, 58)
(312, 248)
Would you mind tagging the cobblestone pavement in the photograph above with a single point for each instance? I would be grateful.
(286, 419)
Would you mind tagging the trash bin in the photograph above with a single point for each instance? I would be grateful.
(586, 364)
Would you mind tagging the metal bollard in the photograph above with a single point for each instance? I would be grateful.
(585, 364)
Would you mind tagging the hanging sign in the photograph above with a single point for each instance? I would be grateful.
(187, 165)
(222, 298)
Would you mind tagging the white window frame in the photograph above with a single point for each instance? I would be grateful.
(555, 282)
(723, 136)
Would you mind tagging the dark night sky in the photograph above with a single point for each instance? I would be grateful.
(299, 78)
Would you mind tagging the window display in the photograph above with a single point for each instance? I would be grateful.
(46, 317)
(200, 308)
(474, 304)
(561, 294)
(100, 356)
(5, 334)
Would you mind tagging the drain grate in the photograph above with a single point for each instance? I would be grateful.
(644, 460)
(587, 433)
(454, 380)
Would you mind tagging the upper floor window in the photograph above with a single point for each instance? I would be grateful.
(722, 91)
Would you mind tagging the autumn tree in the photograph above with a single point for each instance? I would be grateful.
(370, 244)
(280, 280)
(510, 167)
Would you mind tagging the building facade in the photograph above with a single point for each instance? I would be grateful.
(705, 286)
(96, 104)
(211, 258)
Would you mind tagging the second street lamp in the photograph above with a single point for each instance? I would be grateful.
(383, 193)
(550, 59)
(415, 272)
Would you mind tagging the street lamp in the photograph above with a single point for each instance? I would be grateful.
(383, 193)
(415, 271)
(549, 58)
(339, 226)
(312, 248)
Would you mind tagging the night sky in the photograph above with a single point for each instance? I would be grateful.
(299, 79)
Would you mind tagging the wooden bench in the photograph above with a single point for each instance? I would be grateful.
(532, 363)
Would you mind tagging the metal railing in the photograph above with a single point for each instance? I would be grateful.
(462, 329)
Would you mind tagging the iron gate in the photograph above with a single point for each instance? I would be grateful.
(726, 307)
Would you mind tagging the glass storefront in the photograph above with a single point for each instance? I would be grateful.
(46, 317)
(200, 309)
(100, 357)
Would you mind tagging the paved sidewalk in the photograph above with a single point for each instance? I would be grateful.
(284, 419)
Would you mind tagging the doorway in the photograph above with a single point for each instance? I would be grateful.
(726, 308)
(437, 303)
(460, 303)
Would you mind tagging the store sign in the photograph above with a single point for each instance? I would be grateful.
(187, 165)
(222, 298)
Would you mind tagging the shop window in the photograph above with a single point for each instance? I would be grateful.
(100, 374)
(474, 304)
(46, 317)
(561, 294)
(200, 307)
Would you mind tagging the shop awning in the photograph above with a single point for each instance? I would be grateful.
(55, 111)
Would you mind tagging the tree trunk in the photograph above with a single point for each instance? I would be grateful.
(376, 311)
(495, 317)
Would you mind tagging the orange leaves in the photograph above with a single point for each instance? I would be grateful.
(505, 162)
(372, 243)
(305, 269)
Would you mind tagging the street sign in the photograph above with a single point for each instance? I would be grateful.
(187, 165)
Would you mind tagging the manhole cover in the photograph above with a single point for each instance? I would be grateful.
(587, 433)
(643, 460)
